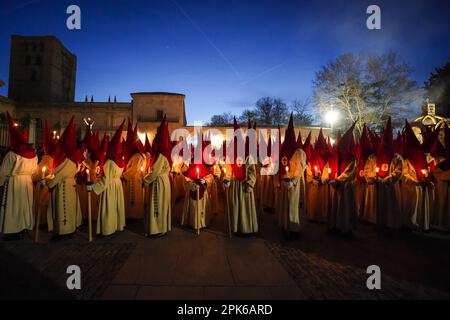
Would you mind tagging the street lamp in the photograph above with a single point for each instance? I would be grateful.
(331, 117)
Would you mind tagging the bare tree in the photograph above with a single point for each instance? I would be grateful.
(300, 111)
(220, 120)
(367, 88)
(246, 115)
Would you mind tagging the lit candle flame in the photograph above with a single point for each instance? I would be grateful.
(287, 169)
(329, 171)
(425, 172)
(315, 169)
(377, 170)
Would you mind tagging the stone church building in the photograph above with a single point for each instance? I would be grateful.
(42, 77)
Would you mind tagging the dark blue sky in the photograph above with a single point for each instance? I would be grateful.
(224, 55)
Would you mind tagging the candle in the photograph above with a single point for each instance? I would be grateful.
(287, 169)
(88, 176)
(54, 134)
(425, 172)
(198, 173)
(97, 169)
(142, 170)
(224, 170)
(315, 169)
(44, 168)
(377, 170)
(329, 171)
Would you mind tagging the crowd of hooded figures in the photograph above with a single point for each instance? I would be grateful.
(401, 183)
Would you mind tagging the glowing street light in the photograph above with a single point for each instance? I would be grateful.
(331, 117)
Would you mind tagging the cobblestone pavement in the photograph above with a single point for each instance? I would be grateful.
(38, 271)
(183, 265)
(318, 278)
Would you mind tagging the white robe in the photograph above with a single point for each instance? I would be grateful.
(342, 214)
(417, 199)
(158, 215)
(292, 200)
(64, 206)
(111, 215)
(16, 211)
(190, 206)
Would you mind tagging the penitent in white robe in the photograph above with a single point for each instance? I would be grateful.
(189, 216)
(158, 199)
(242, 203)
(316, 195)
(370, 207)
(65, 207)
(342, 211)
(417, 199)
(292, 213)
(16, 211)
(390, 196)
(132, 188)
(111, 211)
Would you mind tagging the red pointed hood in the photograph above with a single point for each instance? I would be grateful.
(414, 152)
(91, 143)
(67, 145)
(238, 165)
(48, 143)
(365, 145)
(133, 144)
(346, 144)
(87, 139)
(346, 148)
(103, 148)
(385, 151)
(114, 151)
(148, 146)
(18, 141)
(398, 144)
(321, 146)
(299, 139)
(161, 142)
(289, 144)
(307, 147)
(374, 137)
(363, 151)
(430, 140)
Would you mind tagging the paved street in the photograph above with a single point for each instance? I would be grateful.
(182, 265)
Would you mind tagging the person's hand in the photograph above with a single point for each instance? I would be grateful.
(289, 184)
(89, 187)
(42, 182)
(193, 186)
(226, 183)
(315, 182)
(334, 183)
(247, 188)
